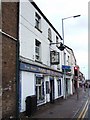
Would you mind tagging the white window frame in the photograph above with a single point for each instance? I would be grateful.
(40, 86)
(57, 41)
(49, 35)
(37, 51)
(37, 21)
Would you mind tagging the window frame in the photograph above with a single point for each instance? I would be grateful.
(57, 40)
(38, 22)
(38, 54)
(49, 35)
(40, 93)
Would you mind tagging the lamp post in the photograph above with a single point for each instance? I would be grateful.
(63, 24)
(64, 76)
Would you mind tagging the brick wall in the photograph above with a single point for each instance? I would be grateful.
(8, 77)
(9, 51)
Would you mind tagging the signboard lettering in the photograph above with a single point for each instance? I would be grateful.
(36, 69)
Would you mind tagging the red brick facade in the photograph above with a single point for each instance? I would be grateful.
(9, 52)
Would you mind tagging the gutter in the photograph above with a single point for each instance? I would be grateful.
(17, 65)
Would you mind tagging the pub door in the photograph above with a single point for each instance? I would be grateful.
(52, 91)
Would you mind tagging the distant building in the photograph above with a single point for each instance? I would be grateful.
(70, 60)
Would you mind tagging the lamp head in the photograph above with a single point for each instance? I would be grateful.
(76, 16)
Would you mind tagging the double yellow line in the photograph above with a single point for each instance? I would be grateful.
(83, 112)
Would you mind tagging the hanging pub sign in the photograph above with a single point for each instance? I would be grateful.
(54, 57)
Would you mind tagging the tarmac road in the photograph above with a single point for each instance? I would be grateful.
(68, 108)
(63, 108)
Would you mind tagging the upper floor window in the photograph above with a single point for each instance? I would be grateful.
(37, 21)
(64, 58)
(49, 35)
(37, 50)
(57, 45)
(68, 60)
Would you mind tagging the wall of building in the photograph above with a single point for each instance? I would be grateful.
(9, 36)
(27, 83)
(28, 33)
(27, 36)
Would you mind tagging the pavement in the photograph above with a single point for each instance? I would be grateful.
(62, 108)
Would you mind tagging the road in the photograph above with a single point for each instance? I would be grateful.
(65, 108)
(87, 110)
(84, 113)
(87, 113)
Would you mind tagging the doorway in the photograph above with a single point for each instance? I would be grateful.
(52, 90)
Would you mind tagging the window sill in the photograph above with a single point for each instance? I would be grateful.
(38, 29)
(50, 40)
(58, 68)
(38, 61)
(40, 101)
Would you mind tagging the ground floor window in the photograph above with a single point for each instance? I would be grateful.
(40, 89)
(59, 87)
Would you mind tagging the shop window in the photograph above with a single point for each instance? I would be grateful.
(37, 50)
(59, 87)
(40, 89)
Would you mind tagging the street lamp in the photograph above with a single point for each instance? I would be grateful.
(63, 45)
(63, 24)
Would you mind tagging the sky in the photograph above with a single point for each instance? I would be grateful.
(75, 29)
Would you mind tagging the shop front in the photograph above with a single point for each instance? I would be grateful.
(68, 83)
(39, 81)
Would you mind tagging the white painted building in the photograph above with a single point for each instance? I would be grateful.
(37, 75)
(40, 60)
(69, 77)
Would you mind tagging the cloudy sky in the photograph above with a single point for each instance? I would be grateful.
(75, 29)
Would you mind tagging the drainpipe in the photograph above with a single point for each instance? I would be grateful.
(17, 64)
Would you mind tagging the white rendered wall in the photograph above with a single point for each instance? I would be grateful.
(27, 87)
(28, 33)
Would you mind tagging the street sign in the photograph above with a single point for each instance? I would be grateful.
(66, 67)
